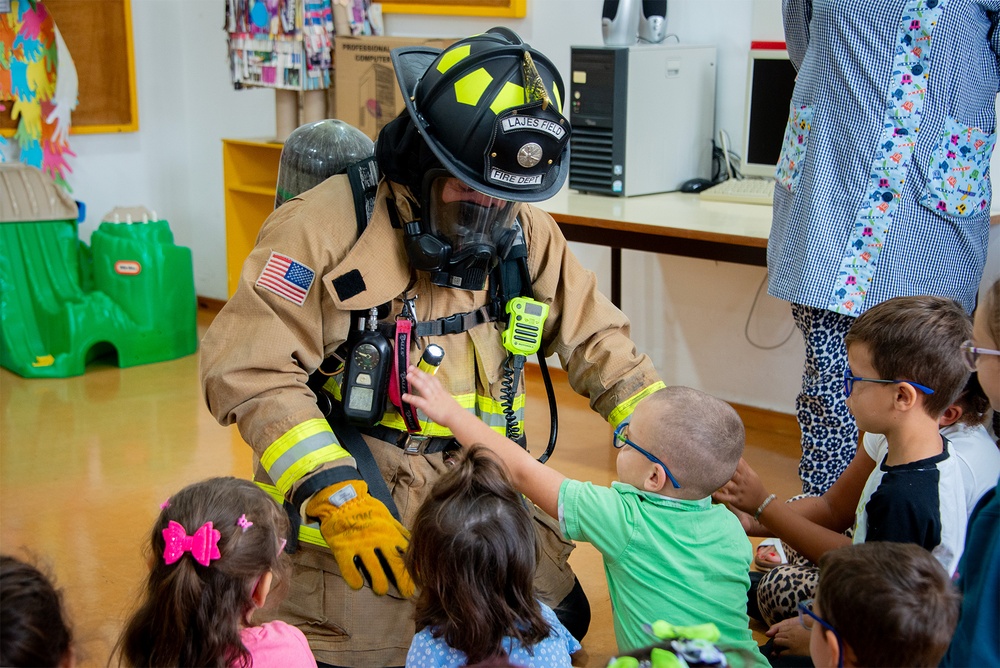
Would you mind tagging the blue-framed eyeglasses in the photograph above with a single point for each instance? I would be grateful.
(806, 617)
(621, 439)
(850, 379)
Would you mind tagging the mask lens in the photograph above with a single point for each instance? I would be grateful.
(466, 218)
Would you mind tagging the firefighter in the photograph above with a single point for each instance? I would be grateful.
(449, 241)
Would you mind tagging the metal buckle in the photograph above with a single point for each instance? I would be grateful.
(415, 443)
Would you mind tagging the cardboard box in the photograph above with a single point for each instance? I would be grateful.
(366, 94)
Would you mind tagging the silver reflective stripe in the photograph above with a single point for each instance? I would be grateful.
(301, 449)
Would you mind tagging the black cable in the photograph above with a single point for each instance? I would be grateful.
(746, 327)
(513, 366)
(553, 411)
(549, 390)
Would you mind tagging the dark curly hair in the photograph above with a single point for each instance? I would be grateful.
(192, 615)
(472, 555)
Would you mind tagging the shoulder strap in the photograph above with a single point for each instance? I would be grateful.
(351, 440)
(363, 176)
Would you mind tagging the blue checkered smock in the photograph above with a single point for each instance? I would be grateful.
(883, 182)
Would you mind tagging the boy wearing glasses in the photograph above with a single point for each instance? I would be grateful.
(669, 553)
(903, 373)
(880, 604)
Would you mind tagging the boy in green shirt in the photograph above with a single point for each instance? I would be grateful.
(669, 552)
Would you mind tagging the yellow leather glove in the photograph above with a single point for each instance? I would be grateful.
(364, 537)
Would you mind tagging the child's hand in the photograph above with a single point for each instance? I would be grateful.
(790, 637)
(429, 396)
(744, 491)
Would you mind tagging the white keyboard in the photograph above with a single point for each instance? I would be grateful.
(745, 191)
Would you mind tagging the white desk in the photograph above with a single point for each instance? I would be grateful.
(671, 223)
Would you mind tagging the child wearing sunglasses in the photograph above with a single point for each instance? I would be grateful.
(880, 604)
(669, 553)
(903, 373)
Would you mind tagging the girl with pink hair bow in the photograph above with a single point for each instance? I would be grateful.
(215, 553)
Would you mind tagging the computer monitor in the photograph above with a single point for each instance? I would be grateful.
(770, 80)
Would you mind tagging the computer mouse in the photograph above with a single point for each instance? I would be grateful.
(695, 185)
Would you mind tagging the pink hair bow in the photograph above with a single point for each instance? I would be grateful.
(203, 545)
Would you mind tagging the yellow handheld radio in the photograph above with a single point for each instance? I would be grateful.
(523, 335)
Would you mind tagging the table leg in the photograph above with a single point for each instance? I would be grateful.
(616, 276)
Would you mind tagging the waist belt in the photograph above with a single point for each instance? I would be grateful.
(412, 443)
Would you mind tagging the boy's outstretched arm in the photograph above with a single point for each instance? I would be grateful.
(533, 479)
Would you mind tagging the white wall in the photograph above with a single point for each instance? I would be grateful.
(689, 315)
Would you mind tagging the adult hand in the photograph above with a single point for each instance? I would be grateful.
(744, 491)
(365, 538)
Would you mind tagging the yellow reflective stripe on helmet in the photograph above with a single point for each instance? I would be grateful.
(299, 450)
(470, 88)
(556, 99)
(511, 95)
(308, 533)
(449, 59)
(624, 409)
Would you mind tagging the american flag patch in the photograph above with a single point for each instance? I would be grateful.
(286, 278)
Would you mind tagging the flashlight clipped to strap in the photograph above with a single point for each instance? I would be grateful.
(431, 360)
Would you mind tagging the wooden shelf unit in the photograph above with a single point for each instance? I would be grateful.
(250, 176)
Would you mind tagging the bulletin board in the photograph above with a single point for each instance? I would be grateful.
(511, 8)
(98, 34)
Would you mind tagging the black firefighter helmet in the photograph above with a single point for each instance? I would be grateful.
(488, 109)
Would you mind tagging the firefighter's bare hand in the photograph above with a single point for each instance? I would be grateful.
(366, 540)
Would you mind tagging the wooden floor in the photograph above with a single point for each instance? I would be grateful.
(85, 463)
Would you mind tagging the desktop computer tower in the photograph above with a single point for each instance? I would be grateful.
(643, 117)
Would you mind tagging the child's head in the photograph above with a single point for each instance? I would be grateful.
(910, 339)
(986, 334)
(891, 604)
(33, 628)
(699, 437)
(971, 408)
(200, 593)
(472, 556)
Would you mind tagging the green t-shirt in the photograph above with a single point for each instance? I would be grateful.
(685, 562)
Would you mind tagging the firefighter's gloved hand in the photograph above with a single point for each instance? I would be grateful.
(367, 541)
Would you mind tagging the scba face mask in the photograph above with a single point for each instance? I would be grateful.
(478, 228)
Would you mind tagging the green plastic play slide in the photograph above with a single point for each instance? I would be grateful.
(130, 296)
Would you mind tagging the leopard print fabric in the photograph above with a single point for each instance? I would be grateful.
(782, 588)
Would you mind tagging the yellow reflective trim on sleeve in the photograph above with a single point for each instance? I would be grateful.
(470, 88)
(453, 56)
(291, 438)
(308, 533)
(624, 409)
(309, 463)
(511, 95)
(299, 450)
